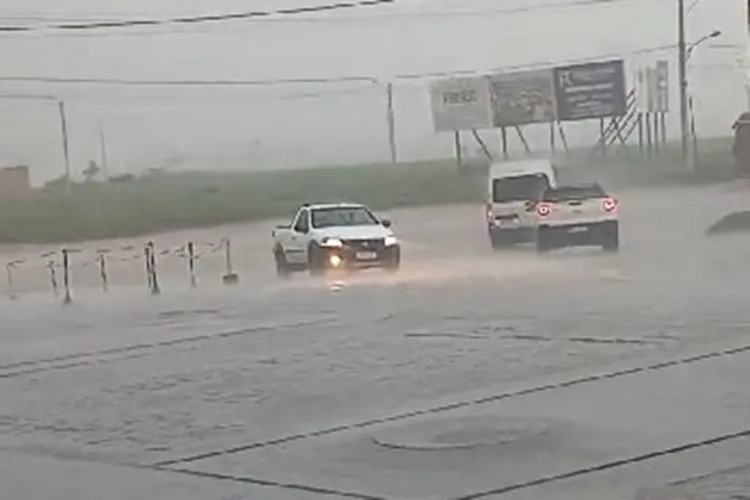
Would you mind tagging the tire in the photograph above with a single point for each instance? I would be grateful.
(283, 270)
(611, 239)
(393, 266)
(499, 241)
(315, 264)
(543, 243)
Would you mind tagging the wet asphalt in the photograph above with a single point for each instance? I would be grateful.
(501, 374)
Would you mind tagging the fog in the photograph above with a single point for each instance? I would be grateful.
(277, 126)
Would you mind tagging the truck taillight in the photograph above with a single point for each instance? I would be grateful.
(488, 210)
(609, 204)
(543, 209)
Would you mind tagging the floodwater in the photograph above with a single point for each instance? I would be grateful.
(488, 375)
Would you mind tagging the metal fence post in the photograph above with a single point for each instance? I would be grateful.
(155, 290)
(191, 264)
(68, 298)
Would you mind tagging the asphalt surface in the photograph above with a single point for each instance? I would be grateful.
(470, 374)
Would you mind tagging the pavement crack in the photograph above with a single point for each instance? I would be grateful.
(272, 484)
(608, 465)
(81, 359)
(537, 338)
(587, 379)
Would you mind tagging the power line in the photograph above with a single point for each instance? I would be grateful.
(373, 80)
(209, 18)
(293, 15)
(187, 83)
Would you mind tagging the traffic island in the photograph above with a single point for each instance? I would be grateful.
(735, 222)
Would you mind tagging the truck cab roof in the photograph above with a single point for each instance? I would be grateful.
(522, 167)
(319, 206)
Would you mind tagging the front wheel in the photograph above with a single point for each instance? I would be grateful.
(315, 263)
(282, 266)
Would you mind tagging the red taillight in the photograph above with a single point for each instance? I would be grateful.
(609, 204)
(543, 210)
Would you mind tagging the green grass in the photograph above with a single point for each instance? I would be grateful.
(179, 201)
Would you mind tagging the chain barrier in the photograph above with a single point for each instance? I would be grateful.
(59, 265)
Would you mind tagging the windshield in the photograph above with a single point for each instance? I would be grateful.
(343, 216)
(520, 188)
(570, 193)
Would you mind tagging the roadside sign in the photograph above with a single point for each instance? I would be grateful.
(461, 104)
(522, 98)
(591, 90)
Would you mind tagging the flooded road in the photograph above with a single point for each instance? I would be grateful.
(487, 374)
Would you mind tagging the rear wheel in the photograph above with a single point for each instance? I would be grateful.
(611, 238)
(499, 240)
(543, 243)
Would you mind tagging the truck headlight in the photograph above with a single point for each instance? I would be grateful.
(390, 241)
(332, 242)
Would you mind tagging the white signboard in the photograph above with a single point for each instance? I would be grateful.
(661, 84)
(652, 88)
(461, 104)
(641, 89)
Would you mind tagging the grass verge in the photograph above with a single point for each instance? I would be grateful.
(179, 201)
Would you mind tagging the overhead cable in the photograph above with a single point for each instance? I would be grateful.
(208, 18)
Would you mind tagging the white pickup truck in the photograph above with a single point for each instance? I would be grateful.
(582, 215)
(332, 236)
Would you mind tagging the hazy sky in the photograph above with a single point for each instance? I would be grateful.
(250, 127)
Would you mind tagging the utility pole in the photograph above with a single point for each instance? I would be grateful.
(103, 152)
(66, 150)
(391, 117)
(682, 75)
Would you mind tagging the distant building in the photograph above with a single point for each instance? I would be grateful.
(15, 182)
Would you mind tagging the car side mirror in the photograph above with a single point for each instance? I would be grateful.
(386, 223)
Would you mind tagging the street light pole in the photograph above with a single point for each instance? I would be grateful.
(682, 75)
(66, 149)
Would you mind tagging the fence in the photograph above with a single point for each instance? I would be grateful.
(59, 267)
(247, 129)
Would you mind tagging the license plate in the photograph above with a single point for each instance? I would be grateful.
(581, 229)
(367, 255)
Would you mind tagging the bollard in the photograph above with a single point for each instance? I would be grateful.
(11, 286)
(103, 269)
(230, 277)
(68, 298)
(191, 264)
(51, 268)
(53, 277)
(147, 260)
(154, 281)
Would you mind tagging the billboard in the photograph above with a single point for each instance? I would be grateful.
(591, 90)
(461, 104)
(522, 98)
